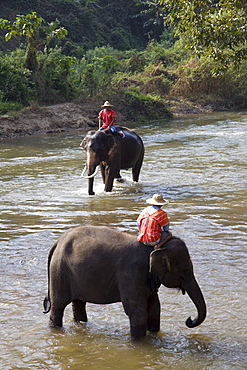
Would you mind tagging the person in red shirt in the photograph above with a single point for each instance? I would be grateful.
(153, 222)
(107, 117)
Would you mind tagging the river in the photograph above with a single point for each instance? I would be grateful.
(199, 164)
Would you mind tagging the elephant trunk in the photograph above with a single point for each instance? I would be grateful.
(194, 292)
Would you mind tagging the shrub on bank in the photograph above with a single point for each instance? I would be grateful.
(7, 107)
(52, 81)
(15, 80)
(141, 107)
(195, 81)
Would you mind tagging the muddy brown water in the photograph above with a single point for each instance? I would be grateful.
(199, 164)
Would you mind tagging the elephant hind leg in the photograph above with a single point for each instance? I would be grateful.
(136, 169)
(79, 310)
(56, 317)
(109, 182)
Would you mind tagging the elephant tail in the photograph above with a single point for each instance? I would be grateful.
(46, 304)
(47, 301)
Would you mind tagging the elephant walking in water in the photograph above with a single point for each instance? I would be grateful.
(101, 265)
(113, 153)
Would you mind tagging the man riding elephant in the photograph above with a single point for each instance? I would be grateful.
(153, 223)
(107, 119)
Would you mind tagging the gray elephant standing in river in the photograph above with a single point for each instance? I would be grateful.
(101, 265)
(112, 153)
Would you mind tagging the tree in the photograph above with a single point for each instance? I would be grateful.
(38, 34)
(214, 28)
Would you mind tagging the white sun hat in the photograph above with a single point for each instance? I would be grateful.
(157, 199)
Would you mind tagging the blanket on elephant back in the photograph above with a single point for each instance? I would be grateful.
(163, 242)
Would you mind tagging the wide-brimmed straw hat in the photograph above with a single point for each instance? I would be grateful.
(157, 200)
(107, 104)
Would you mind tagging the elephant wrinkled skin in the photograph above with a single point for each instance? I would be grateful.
(101, 265)
(113, 153)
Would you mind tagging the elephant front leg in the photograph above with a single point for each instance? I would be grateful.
(138, 320)
(79, 310)
(153, 312)
(137, 313)
(138, 331)
(110, 175)
(90, 187)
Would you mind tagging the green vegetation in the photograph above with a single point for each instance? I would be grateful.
(9, 107)
(144, 107)
(210, 28)
(90, 23)
(31, 27)
(120, 50)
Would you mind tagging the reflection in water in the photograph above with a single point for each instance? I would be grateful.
(199, 164)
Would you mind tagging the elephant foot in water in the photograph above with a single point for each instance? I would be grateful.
(138, 331)
(153, 325)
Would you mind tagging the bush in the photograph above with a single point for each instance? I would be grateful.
(52, 80)
(93, 73)
(238, 91)
(144, 107)
(167, 39)
(155, 53)
(195, 81)
(6, 107)
(102, 52)
(136, 62)
(15, 80)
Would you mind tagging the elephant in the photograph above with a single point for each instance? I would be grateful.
(113, 153)
(102, 265)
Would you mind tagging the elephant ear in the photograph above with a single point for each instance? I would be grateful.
(110, 142)
(159, 263)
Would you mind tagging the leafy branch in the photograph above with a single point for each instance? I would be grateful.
(217, 29)
(36, 31)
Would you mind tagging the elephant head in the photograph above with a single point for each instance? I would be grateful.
(98, 145)
(173, 267)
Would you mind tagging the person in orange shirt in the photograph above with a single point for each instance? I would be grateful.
(153, 222)
(107, 117)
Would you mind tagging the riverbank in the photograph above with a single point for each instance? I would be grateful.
(72, 116)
